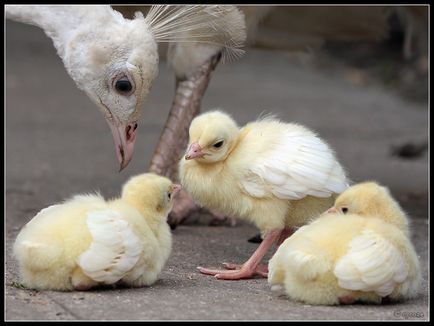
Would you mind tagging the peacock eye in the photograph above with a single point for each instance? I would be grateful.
(123, 86)
(344, 210)
(218, 144)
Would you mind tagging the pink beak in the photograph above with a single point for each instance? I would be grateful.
(331, 210)
(124, 136)
(175, 189)
(194, 151)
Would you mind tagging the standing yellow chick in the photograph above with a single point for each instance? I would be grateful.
(87, 241)
(274, 174)
(358, 250)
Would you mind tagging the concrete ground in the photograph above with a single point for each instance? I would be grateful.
(58, 144)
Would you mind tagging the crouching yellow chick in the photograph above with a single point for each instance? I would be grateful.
(359, 250)
(88, 241)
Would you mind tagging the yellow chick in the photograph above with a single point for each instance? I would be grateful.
(87, 241)
(276, 175)
(359, 250)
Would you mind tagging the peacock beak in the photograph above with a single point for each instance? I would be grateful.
(124, 136)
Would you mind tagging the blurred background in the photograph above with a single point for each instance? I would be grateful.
(356, 75)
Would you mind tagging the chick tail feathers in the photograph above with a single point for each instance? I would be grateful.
(36, 255)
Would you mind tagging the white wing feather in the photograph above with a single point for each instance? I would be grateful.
(297, 165)
(222, 26)
(371, 264)
(115, 248)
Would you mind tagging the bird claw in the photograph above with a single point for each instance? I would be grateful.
(235, 271)
(227, 274)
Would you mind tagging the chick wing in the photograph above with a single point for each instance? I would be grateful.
(371, 264)
(115, 248)
(296, 165)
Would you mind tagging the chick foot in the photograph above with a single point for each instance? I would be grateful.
(235, 271)
(251, 266)
(261, 270)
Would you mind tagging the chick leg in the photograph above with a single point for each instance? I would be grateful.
(286, 232)
(250, 267)
(174, 138)
(262, 270)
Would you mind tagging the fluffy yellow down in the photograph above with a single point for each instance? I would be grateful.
(363, 251)
(220, 180)
(48, 247)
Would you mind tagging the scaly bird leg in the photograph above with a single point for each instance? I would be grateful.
(174, 138)
(262, 270)
(286, 232)
(250, 267)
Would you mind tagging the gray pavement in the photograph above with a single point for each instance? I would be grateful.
(58, 144)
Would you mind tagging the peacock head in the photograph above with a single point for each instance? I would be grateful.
(115, 64)
(115, 60)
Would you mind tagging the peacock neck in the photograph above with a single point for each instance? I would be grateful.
(60, 22)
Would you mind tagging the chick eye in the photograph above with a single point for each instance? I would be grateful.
(123, 86)
(218, 144)
(344, 210)
(169, 195)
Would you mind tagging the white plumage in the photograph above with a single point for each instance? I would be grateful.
(114, 250)
(297, 164)
(371, 264)
(115, 60)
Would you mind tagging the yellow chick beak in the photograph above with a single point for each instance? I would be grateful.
(194, 151)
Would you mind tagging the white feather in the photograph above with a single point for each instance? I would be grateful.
(223, 26)
(296, 165)
(115, 248)
(371, 264)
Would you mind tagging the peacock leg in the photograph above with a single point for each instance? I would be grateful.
(174, 138)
